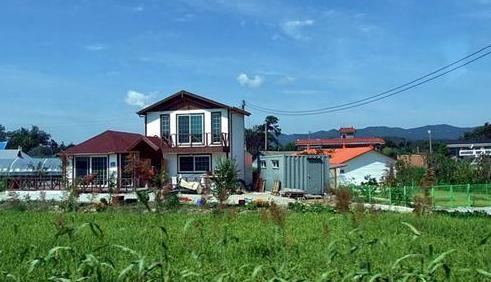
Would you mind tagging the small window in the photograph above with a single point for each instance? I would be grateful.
(341, 171)
(165, 125)
(263, 164)
(216, 127)
(275, 163)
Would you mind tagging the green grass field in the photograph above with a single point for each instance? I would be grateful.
(239, 245)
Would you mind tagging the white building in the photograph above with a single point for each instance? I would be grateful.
(196, 132)
(184, 133)
(353, 165)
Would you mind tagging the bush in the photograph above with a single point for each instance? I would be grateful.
(343, 199)
(225, 179)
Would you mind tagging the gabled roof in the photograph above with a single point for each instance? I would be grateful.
(339, 156)
(341, 141)
(3, 145)
(111, 141)
(343, 155)
(182, 97)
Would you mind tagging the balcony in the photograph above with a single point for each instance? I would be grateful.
(196, 143)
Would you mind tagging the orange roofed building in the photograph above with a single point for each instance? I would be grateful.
(354, 165)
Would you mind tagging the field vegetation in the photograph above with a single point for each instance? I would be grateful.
(307, 243)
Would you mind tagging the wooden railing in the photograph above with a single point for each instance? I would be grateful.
(33, 183)
(196, 140)
(56, 183)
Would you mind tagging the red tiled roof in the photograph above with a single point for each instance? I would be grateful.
(339, 156)
(341, 141)
(113, 142)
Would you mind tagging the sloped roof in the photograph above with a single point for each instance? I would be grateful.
(341, 141)
(16, 162)
(183, 95)
(339, 156)
(113, 142)
(342, 155)
(3, 145)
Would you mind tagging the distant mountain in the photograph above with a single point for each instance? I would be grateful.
(438, 132)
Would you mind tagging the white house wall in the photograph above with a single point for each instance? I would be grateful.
(371, 163)
(238, 142)
(153, 120)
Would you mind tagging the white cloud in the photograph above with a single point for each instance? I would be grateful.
(135, 98)
(95, 47)
(294, 28)
(245, 80)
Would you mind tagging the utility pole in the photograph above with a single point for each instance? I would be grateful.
(429, 137)
(265, 135)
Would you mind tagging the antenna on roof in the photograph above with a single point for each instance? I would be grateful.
(243, 105)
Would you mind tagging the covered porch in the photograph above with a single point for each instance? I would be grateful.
(104, 163)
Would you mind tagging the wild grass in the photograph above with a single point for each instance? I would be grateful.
(242, 245)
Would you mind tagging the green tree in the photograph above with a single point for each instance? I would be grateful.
(28, 139)
(255, 136)
(273, 131)
(3, 134)
(479, 133)
(289, 147)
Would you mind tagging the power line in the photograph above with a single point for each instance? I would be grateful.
(404, 87)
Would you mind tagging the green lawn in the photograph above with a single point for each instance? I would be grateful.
(240, 245)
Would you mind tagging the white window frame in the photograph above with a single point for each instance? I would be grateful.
(275, 164)
(203, 133)
(194, 164)
(90, 166)
(262, 163)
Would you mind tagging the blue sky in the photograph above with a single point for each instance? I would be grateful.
(76, 68)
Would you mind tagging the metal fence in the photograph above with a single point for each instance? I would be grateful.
(446, 196)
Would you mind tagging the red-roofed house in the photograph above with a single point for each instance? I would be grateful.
(347, 139)
(184, 133)
(353, 165)
(106, 155)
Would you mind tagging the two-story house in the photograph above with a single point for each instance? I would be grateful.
(185, 133)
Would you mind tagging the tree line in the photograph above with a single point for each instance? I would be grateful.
(34, 141)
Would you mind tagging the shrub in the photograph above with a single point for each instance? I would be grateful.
(343, 199)
(225, 179)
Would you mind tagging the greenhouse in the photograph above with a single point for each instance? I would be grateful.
(14, 163)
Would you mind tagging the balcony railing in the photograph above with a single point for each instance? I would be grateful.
(204, 140)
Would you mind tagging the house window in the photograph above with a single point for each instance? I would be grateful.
(92, 165)
(165, 125)
(263, 164)
(275, 163)
(194, 163)
(190, 128)
(99, 168)
(341, 171)
(216, 127)
(82, 166)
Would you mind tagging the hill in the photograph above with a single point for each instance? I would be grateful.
(438, 132)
